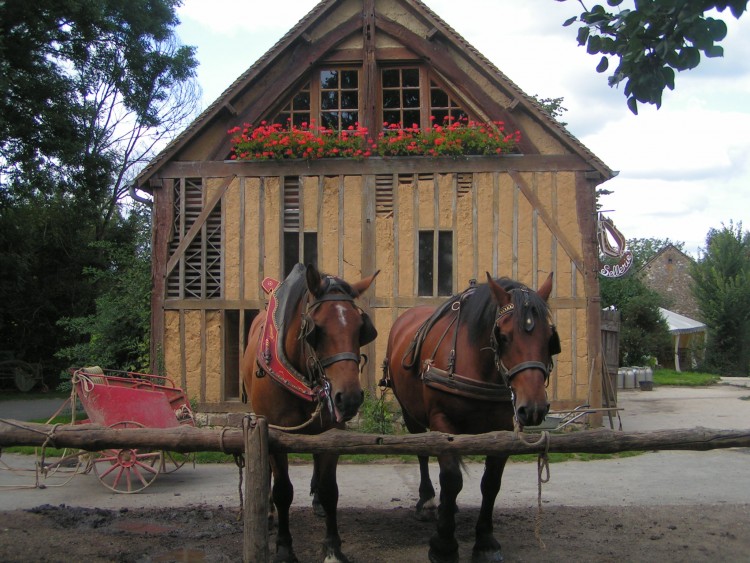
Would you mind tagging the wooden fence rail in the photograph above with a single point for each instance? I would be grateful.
(189, 439)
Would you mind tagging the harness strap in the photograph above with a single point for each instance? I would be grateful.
(341, 357)
(509, 374)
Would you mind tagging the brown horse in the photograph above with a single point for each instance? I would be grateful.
(478, 363)
(301, 371)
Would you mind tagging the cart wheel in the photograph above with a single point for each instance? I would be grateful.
(128, 470)
(172, 461)
(24, 377)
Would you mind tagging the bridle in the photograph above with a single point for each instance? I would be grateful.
(509, 374)
(316, 366)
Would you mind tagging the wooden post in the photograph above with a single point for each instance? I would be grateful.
(257, 489)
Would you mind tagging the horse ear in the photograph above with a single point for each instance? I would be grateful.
(546, 287)
(501, 296)
(313, 279)
(362, 285)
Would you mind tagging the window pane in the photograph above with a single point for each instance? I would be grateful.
(391, 78)
(311, 249)
(291, 251)
(439, 116)
(330, 120)
(282, 118)
(349, 79)
(438, 98)
(426, 262)
(300, 118)
(349, 119)
(411, 118)
(445, 263)
(392, 117)
(329, 79)
(329, 100)
(411, 98)
(391, 99)
(301, 101)
(349, 100)
(410, 77)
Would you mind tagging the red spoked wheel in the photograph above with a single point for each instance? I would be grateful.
(128, 470)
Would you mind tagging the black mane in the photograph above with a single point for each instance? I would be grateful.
(479, 308)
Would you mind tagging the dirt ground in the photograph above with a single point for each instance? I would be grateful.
(201, 533)
(666, 506)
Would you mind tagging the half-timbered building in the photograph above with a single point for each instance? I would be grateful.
(428, 224)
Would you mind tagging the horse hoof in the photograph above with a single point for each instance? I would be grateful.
(486, 550)
(442, 550)
(318, 509)
(285, 555)
(426, 511)
(486, 556)
(332, 553)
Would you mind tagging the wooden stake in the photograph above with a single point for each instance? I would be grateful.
(257, 489)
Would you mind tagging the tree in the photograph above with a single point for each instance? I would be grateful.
(91, 89)
(118, 332)
(722, 288)
(644, 333)
(652, 41)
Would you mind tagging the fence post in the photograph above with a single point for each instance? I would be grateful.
(257, 490)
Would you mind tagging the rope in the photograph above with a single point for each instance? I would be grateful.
(239, 461)
(543, 474)
(315, 413)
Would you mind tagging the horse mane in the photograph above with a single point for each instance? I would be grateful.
(479, 310)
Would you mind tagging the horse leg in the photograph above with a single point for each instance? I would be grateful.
(283, 494)
(486, 547)
(317, 507)
(328, 493)
(426, 508)
(443, 545)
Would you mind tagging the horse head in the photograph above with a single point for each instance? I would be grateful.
(335, 328)
(524, 342)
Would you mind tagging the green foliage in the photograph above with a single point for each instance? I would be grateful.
(375, 416)
(652, 41)
(553, 106)
(722, 288)
(643, 331)
(684, 378)
(117, 334)
(85, 85)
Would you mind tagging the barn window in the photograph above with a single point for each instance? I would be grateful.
(299, 245)
(297, 111)
(402, 104)
(236, 326)
(332, 98)
(339, 98)
(435, 263)
(197, 275)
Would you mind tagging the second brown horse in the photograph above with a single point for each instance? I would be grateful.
(478, 363)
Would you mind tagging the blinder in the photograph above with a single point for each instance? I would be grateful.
(368, 332)
(554, 343)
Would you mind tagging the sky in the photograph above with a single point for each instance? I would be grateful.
(682, 169)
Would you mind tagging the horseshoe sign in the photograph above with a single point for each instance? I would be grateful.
(612, 245)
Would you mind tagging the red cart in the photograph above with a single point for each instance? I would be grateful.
(121, 399)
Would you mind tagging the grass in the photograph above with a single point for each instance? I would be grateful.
(684, 378)
(15, 395)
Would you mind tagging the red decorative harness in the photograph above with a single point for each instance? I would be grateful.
(267, 356)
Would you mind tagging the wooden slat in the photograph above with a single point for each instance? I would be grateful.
(197, 225)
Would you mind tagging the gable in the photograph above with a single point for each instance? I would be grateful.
(372, 38)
